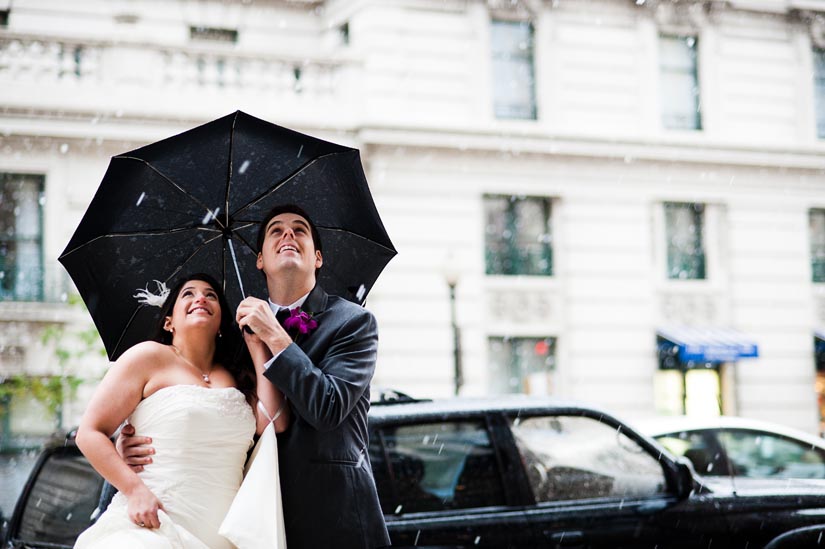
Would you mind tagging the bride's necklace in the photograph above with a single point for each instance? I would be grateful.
(205, 376)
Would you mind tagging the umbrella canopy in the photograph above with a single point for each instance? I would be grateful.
(193, 203)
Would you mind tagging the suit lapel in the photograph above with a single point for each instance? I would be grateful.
(315, 304)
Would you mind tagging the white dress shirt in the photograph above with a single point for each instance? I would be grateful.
(276, 309)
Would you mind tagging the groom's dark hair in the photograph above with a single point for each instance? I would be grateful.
(293, 209)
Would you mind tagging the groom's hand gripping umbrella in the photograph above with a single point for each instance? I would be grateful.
(193, 202)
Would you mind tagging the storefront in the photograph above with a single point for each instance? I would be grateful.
(697, 370)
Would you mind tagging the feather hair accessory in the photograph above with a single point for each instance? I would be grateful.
(147, 297)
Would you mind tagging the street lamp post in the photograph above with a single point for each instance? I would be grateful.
(458, 373)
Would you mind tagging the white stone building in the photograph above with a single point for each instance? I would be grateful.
(600, 180)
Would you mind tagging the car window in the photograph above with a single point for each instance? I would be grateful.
(760, 454)
(571, 457)
(435, 466)
(61, 501)
(701, 448)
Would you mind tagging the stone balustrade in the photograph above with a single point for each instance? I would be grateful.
(40, 60)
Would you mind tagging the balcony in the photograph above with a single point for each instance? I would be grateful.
(151, 80)
(36, 295)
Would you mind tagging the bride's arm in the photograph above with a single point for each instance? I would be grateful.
(118, 394)
(269, 396)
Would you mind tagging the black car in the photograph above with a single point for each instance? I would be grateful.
(509, 473)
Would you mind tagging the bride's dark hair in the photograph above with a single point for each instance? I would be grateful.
(230, 350)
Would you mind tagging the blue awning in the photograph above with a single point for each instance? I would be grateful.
(692, 344)
(819, 341)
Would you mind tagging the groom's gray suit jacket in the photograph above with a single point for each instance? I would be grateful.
(327, 486)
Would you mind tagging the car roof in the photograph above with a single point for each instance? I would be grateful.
(465, 406)
(664, 425)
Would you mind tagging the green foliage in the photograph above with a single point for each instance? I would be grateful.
(51, 391)
(88, 339)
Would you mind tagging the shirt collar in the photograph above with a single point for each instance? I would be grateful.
(300, 301)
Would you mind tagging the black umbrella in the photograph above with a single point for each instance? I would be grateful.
(193, 203)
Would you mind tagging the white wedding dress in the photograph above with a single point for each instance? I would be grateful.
(201, 437)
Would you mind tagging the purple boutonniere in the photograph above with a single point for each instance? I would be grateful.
(299, 322)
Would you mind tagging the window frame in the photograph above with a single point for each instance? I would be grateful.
(723, 436)
(500, 107)
(817, 267)
(513, 353)
(818, 76)
(695, 72)
(510, 473)
(700, 240)
(58, 452)
(511, 248)
(39, 294)
(667, 476)
(205, 34)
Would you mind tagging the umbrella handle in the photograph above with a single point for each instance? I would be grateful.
(246, 329)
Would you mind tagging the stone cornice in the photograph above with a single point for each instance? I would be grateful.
(687, 151)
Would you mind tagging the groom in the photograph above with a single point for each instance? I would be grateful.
(328, 492)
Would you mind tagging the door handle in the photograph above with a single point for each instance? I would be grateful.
(569, 538)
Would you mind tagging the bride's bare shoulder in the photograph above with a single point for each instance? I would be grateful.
(150, 351)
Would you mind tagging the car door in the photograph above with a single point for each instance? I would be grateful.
(443, 483)
(596, 487)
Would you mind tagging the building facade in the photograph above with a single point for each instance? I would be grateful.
(610, 200)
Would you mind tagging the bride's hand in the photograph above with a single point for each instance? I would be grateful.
(257, 349)
(143, 507)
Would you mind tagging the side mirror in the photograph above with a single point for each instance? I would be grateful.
(684, 477)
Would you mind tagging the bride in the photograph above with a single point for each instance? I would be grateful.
(186, 393)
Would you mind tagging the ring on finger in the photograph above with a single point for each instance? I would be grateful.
(141, 524)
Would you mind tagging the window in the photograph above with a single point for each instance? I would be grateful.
(816, 227)
(517, 236)
(212, 34)
(758, 454)
(701, 448)
(61, 501)
(572, 457)
(514, 85)
(679, 78)
(435, 466)
(4, 18)
(819, 91)
(522, 365)
(684, 228)
(21, 254)
(749, 453)
(343, 34)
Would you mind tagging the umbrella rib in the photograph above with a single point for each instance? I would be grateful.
(145, 233)
(178, 187)
(362, 237)
(229, 174)
(330, 229)
(135, 312)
